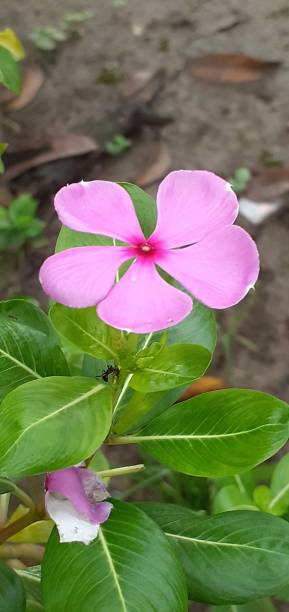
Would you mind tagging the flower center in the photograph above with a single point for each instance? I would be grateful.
(145, 248)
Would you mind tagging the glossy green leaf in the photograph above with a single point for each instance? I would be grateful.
(12, 596)
(220, 433)
(145, 207)
(198, 328)
(9, 71)
(280, 484)
(174, 366)
(232, 557)
(130, 566)
(231, 498)
(86, 331)
(52, 423)
(29, 347)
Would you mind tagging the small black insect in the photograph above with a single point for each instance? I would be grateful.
(110, 370)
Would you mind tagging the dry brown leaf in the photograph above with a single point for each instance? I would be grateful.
(32, 82)
(204, 384)
(230, 68)
(144, 163)
(60, 147)
(159, 164)
(269, 185)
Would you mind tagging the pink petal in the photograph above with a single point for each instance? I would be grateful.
(98, 207)
(219, 270)
(143, 302)
(83, 488)
(192, 204)
(82, 276)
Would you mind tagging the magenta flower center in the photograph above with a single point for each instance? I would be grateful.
(148, 249)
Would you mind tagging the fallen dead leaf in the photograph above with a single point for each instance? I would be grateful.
(269, 185)
(142, 85)
(143, 164)
(204, 384)
(32, 82)
(230, 68)
(156, 170)
(60, 147)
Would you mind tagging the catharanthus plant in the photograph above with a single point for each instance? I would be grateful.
(194, 241)
(82, 380)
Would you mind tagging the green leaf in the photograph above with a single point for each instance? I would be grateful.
(29, 347)
(262, 496)
(220, 433)
(31, 581)
(232, 557)
(231, 498)
(117, 145)
(280, 484)
(129, 567)
(12, 597)
(9, 71)
(22, 210)
(67, 239)
(174, 366)
(85, 330)
(34, 229)
(144, 205)
(198, 328)
(52, 423)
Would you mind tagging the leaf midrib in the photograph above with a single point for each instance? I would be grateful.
(52, 414)
(133, 439)
(112, 569)
(224, 544)
(279, 496)
(86, 333)
(20, 364)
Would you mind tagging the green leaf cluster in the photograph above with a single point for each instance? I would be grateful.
(19, 223)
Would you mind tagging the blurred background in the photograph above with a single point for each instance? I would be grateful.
(129, 90)
(126, 89)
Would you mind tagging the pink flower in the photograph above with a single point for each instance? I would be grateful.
(74, 500)
(194, 241)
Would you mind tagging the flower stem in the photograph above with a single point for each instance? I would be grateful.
(129, 377)
(121, 471)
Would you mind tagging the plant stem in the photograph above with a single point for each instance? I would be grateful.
(21, 523)
(26, 551)
(121, 471)
(120, 440)
(24, 498)
(239, 483)
(130, 375)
